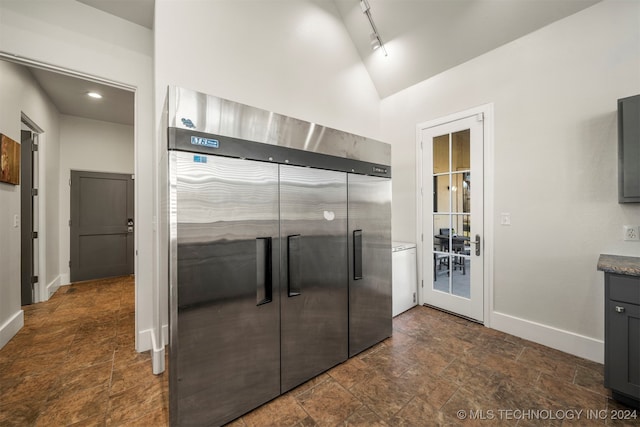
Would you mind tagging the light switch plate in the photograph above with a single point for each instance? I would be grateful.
(505, 218)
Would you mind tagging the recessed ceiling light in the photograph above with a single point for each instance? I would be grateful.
(95, 95)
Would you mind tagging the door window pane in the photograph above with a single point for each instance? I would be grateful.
(441, 272)
(466, 193)
(460, 150)
(459, 200)
(441, 231)
(441, 154)
(441, 193)
(461, 225)
(461, 276)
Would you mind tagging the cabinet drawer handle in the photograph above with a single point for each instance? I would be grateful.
(619, 309)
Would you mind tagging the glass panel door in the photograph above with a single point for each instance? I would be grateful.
(452, 154)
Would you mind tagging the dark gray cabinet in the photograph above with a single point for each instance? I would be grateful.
(629, 149)
(622, 337)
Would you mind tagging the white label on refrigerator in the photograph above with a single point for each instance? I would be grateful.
(206, 142)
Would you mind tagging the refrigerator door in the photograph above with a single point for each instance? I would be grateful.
(224, 326)
(369, 261)
(314, 297)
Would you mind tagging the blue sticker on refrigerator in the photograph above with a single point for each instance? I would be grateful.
(199, 159)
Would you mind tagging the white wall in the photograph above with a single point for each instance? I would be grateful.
(555, 95)
(19, 93)
(74, 36)
(89, 145)
(292, 57)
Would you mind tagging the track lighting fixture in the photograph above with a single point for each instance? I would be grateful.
(376, 41)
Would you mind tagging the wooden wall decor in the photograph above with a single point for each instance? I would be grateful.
(9, 160)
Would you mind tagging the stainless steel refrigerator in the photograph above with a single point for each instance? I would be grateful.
(279, 253)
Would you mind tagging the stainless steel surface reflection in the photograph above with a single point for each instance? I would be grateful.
(314, 318)
(225, 348)
(206, 113)
(370, 303)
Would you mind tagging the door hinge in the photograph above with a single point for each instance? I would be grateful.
(414, 297)
(422, 283)
(34, 279)
(480, 117)
(69, 264)
(34, 235)
(133, 176)
(34, 147)
(421, 145)
(34, 192)
(69, 223)
(422, 237)
(69, 182)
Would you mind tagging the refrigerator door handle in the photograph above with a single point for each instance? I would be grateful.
(357, 254)
(293, 265)
(264, 280)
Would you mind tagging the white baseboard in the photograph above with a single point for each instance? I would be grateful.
(64, 279)
(144, 341)
(569, 342)
(11, 327)
(53, 286)
(147, 342)
(145, 338)
(157, 356)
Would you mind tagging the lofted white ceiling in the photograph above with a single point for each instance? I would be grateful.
(137, 11)
(426, 37)
(423, 38)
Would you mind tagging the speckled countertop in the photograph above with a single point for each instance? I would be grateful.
(629, 265)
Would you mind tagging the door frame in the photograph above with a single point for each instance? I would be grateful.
(28, 216)
(488, 158)
(144, 339)
(40, 291)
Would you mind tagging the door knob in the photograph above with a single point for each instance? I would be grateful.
(619, 309)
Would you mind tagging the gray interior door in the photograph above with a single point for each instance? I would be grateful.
(314, 294)
(28, 279)
(225, 330)
(370, 302)
(101, 225)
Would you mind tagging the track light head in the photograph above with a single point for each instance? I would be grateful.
(375, 41)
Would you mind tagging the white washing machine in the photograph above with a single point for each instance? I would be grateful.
(405, 278)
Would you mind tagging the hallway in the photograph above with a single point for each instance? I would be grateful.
(74, 364)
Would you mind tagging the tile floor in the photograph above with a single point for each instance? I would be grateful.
(73, 364)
